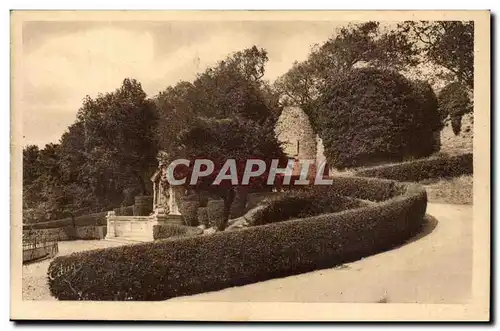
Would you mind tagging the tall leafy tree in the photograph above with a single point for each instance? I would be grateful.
(232, 87)
(119, 141)
(352, 46)
(449, 44)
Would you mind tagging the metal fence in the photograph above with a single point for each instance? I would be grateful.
(38, 248)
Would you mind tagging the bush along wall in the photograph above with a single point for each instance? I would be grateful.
(431, 168)
(164, 231)
(67, 233)
(166, 269)
(96, 219)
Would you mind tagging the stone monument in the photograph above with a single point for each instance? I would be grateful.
(165, 196)
(165, 211)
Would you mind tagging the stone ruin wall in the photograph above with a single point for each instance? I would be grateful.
(293, 125)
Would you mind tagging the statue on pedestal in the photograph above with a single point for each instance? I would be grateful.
(165, 196)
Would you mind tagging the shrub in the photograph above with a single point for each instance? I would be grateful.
(85, 220)
(254, 199)
(372, 116)
(66, 233)
(454, 102)
(415, 171)
(203, 216)
(124, 211)
(186, 266)
(127, 211)
(143, 205)
(164, 231)
(366, 188)
(305, 203)
(189, 209)
(215, 211)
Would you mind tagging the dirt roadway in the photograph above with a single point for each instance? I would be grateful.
(435, 267)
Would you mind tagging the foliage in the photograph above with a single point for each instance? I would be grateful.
(222, 139)
(454, 103)
(229, 111)
(85, 232)
(351, 46)
(449, 44)
(375, 116)
(427, 121)
(84, 220)
(202, 215)
(119, 140)
(217, 215)
(186, 266)
(308, 202)
(232, 87)
(189, 210)
(164, 231)
(415, 171)
(143, 205)
(100, 158)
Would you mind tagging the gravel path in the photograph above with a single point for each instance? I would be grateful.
(35, 274)
(435, 267)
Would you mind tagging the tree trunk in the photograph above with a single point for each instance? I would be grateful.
(142, 185)
(228, 200)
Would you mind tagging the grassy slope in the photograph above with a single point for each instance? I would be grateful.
(458, 190)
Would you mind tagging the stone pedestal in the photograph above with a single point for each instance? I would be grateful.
(110, 231)
(168, 219)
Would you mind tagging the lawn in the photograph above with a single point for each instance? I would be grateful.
(457, 190)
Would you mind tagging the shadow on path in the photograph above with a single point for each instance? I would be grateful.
(430, 223)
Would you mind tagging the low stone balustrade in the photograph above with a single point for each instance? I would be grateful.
(139, 228)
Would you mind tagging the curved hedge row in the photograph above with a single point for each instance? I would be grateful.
(165, 269)
(303, 203)
(415, 171)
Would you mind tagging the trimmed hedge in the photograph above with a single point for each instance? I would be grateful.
(85, 220)
(415, 171)
(305, 203)
(164, 231)
(186, 266)
(369, 116)
(66, 233)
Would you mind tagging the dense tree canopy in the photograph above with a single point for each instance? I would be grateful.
(351, 46)
(373, 115)
(229, 111)
(232, 87)
(107, 151)
(449, 44)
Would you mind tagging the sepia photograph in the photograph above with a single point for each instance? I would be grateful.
(249, 166)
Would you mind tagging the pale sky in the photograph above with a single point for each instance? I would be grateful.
(64, 61)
